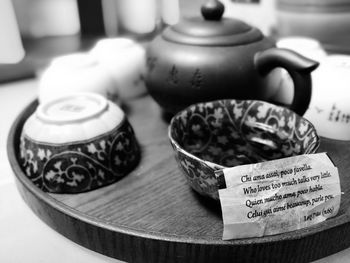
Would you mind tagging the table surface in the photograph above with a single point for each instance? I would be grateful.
(19, 226)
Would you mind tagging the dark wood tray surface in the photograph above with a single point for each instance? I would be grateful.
(152, 215)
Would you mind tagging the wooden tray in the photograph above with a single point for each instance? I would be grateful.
(152, 215)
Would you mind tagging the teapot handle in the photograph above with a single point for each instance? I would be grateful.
(298, 67)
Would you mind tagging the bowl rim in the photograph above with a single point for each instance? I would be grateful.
(102, 105)
(123, 122)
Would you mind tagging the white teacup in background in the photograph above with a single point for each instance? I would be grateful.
(305, 46)
(75, 73)
(125, 61)
(308, 47)
(114, 68)
(329, 109)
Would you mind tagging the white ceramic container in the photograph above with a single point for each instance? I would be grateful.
(329, 108)
(78, 72)
(308, 47)
(125, 61)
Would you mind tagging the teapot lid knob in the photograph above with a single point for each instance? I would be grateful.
(212, 10)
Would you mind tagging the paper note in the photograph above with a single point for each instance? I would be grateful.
(278, 196)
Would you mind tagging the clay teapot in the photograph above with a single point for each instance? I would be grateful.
(210, 57)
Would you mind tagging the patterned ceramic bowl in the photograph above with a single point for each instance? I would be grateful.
(77, 143)
(225, 133)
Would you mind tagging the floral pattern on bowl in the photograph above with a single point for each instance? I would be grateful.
(225, 133)
(80, 166)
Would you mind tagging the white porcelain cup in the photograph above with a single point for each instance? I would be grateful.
(329, 109)
(78, 72)
(308, 47)
(125, 61)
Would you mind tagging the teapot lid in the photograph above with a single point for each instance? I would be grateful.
(212, 29)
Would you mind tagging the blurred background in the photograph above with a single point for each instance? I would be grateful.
(53, 27)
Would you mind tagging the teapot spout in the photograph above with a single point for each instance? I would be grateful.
(298, 67)
(272, 58)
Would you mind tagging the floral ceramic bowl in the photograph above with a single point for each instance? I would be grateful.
(77, 143)
(225, 133)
